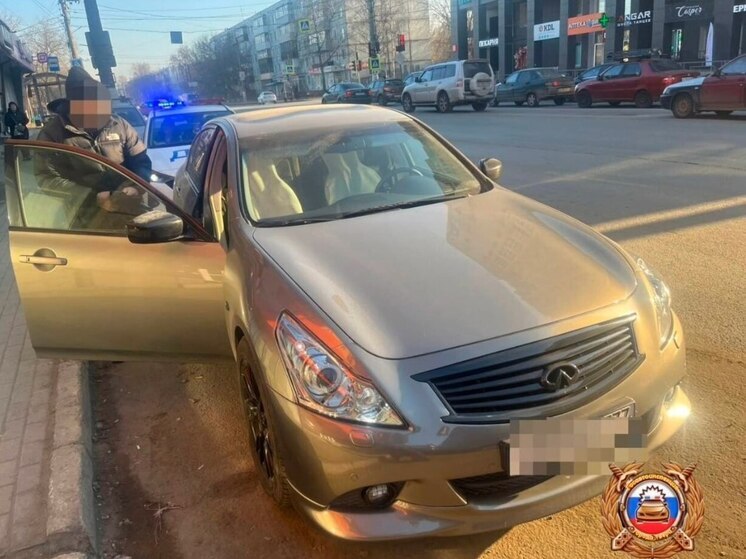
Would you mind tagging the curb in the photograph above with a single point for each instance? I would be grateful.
(71, 517)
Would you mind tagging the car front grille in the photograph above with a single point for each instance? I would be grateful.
(494, 485)
(508, 385)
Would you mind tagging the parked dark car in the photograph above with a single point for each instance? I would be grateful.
(724, 91)
(639, 81)
(533, 85)
(592, 73)
(385, 91)
(346, 92)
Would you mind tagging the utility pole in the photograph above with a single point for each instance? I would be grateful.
(372, 28)
(71, 42)
(99, 45)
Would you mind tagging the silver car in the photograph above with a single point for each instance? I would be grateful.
(393, 313)
(448, 84)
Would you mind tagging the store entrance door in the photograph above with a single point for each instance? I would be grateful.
(677, 38)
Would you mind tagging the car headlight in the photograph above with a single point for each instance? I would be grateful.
(155, 176)
(661, 302)
(323, 384)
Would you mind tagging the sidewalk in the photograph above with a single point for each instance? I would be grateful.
(34, 520)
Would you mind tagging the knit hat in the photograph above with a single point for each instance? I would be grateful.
(81, 86)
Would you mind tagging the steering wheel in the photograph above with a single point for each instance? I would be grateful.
(386, 183)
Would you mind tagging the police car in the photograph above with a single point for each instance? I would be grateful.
(169, 133)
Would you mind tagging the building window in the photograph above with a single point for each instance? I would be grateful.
(281, 12)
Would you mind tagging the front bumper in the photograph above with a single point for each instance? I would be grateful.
(325, 460)
(666, 101)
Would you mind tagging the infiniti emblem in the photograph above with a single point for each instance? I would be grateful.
(559, 376)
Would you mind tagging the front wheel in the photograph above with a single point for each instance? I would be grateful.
(682, 106)
(406, 103)
(444, 104)
(643, 100)
(559, 101)
(532, 100)
(263, 446)
(479, 107)
(584, 99)
(381, 101)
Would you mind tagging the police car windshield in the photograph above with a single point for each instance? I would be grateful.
(178, 129)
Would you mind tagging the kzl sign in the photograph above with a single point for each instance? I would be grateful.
(548, 30)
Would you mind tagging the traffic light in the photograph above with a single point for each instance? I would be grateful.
(402, 43)
(351, 65)
(359, 65)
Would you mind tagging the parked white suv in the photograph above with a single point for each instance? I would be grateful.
(445, 85)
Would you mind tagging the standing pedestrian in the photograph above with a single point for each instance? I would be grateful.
(16, 122)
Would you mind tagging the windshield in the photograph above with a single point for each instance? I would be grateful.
(326, 174)
(471, 69)
(351, 86)
(178, 129)
(664, 65)
(549, 73)
(394, 83)
(130, 114)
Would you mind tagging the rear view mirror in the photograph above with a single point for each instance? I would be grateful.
(156, 226)
(492, 168)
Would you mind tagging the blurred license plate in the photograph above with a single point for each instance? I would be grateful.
(626, 411)
(360, 94)
(564, 90)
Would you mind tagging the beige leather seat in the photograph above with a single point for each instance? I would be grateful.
(348, 176)
(270, 195)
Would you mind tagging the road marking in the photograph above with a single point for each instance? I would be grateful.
(668, 215)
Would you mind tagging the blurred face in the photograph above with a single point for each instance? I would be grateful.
(12, 107)
(90, 114)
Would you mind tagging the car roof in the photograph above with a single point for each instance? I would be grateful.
(298, 118)
(189, 109)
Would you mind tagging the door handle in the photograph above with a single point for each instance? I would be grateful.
(43, 260)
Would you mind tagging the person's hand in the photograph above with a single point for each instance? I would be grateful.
(129, 191)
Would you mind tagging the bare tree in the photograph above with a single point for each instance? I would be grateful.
(440, 41)
(325, 40)
(140, 69)
(13, 22)
(47, 35)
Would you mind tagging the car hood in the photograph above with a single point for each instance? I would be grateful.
(690, 82)
(168, 160)
(409, 282)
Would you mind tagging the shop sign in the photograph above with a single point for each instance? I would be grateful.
(485, 43)
(464, 3)
(635, 18)
(739, 9)
(581, 25)
(548, 30)
(686, 11)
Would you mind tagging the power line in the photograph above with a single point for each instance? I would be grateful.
(170, 10)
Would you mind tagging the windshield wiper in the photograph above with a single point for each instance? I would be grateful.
(400, 205)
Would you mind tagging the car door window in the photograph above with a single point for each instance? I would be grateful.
(737, 67)
(65, 191)
(439, 73)
(523, 78)
(512, 78)
(216, 191)
(197, 162)
(450, 71)
(427, 76)
(632, 69)
(613, 72)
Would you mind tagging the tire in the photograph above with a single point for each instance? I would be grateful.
(381, 101)
(270, 468)
(480, 84)
(643, 100)
(682, 106)
(584, 99)
(532, 100)
(559, 101)
(479, 107)
(614, 103)
(406, 103)
(723, 114)
(323, 101)
(443, 104)
(518, 103)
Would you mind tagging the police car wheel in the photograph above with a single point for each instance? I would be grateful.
(682, 106)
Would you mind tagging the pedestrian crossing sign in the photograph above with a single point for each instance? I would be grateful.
(374, 64)
(304, 26)
(289, 69)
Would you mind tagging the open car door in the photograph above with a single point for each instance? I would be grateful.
(87, 290)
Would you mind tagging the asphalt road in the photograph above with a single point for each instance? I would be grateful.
(671, 191)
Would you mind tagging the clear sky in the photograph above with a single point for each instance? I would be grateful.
(140, 29)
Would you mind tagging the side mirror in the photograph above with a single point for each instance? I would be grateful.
(156, 226)
(718, 72)
(600, 77)
(492, 168)
(418, 80)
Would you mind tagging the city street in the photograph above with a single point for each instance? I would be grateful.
(174, 477)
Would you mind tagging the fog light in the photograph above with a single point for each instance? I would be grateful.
(679, 411)
(378, 495)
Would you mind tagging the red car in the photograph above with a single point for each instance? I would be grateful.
(724, 91)
(634, 81)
